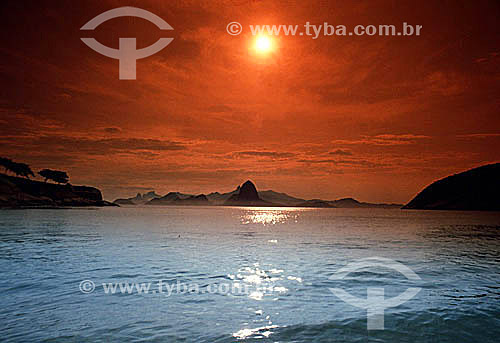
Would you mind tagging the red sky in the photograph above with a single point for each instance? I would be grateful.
(375, 118)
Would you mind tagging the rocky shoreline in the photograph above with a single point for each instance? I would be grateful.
(16, 192)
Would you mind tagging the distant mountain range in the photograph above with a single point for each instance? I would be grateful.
(176, 198)
(476, 189)
(139, 199)
(244, 195)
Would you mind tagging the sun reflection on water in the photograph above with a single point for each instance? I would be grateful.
(265, 283)
(266, 216)
(262, 332)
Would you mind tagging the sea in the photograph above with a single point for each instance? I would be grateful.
(241, 274)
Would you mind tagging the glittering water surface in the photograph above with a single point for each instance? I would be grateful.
(283, 258)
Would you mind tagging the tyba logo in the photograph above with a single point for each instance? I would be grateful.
(375, 302)
(127, 53)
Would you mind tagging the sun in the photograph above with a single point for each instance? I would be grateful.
(263, 44)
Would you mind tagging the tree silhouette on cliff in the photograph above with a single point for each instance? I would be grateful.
(54, 175)
(20, 169)
(5, 163)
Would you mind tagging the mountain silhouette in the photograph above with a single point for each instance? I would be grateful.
(139, 199)
(172, 198)
(477, 189)
(21, 192)
(247, 196)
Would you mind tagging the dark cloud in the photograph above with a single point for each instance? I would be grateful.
(112, 130)
(219, 108)
(384, 140)
(271, 154)
(341, 152)
(480, 135)
(66, 144)
(345, 163)
(103, 146)
(318, 161)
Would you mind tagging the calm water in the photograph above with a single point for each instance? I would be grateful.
(284, 258)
